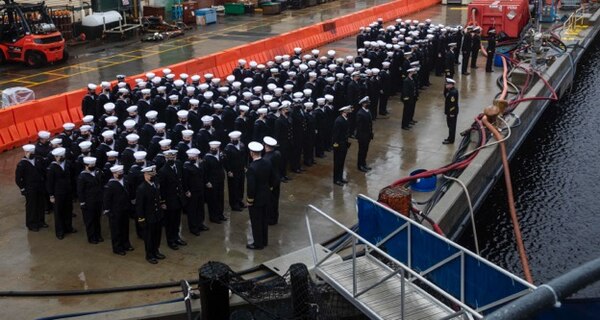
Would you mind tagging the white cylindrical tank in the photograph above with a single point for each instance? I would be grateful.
(100, 18)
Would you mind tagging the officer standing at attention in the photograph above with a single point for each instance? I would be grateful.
(117, 206)
(364, 133)
(236, 158)
(408, 98)
(475, 46)
(451, 109)
(149, 212)
(58, 186)
(491, 50)
(29, 177)
(466, 49)
(89, 192)
(171, 192)
(340, 145)
(260, 180)
(193, 188)
(215, 183)
(274, 157)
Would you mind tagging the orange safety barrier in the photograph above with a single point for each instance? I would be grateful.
(21, 123)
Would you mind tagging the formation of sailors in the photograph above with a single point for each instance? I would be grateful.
(168, 144)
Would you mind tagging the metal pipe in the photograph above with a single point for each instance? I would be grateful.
(549, 294)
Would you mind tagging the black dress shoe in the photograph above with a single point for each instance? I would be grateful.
(297, 171)
(413, 122)
(344, 181)
(121, 253)
(339, 183)
(253, 247)
(215, 221)
(130, 248)
(100, 239)
(363, 169)
(152, 260)
(489, 71)
(60, 237)
(160, 256)
(181, 242)
(272, 223)
(447, 142)
(93, 241)
(236, 209)
(302, 169)
(196, 233)
(73, 230)
(204, 228)
(473, 67)
(223, 219)
(287, 178)
(283, 180)
(466, 73)
(44, 225)
(173, 246)
(405, 128)
(34, 229)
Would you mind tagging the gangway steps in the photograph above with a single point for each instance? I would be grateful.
(384, 300)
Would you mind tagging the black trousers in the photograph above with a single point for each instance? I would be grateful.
(383, 101)
(260, 227)
(451, 122)
(308, 150)
(474, 55)
(35, 204)
(285, 156)
(119, 231)
(319, 144)
(411, 110)
(91, 218)
(172, 223)
(235, 188)
(339, 157)
(465, 61)
(296, 155)
(273, 211)
(489, 60)
(374, 105)
(439, 66)
(363, 148)
(215, 199)
(63, 214)
(406, 112)
(194, 210)
(152, 235)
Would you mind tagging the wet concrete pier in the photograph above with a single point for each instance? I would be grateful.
(38, 261)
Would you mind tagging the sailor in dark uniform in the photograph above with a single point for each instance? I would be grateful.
(408, 98)
(193, 189)
(127, 158)
(89, 102)
(89, 193)
(147, 131)
(117, 206)
(134, 178)
(58, 187)
(205, 135)
(450, 61)
(274, 158)
(490, 50)
(171, 191)
(340, 145)
(466, 49)
(364, 133)
(236, 158)
(149, 211)
(215, 183)
(451, 109)
(184, 145)
(29, 177)
(182, 116)
(475, 46)
(260, 180)
(260, 125)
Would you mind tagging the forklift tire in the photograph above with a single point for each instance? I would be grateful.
(35, 59)
(65, 56)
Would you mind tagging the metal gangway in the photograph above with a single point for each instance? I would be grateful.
(399, 269)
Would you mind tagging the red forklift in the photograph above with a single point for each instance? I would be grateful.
(28, 35)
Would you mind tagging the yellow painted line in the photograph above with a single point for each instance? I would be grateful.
(55, 74)
(459, 8)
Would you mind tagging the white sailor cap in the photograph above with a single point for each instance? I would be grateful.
(274, 70)
(165, 142)
(255, 146)
(453, 44)
(123, 90)
(146, 91)
(262, 111)
(28, 148)
(257, 89)
(331, 53)
(255, 102)
(235, 134)
(84, 145)
(116, 168)
(412, 70)
(208, 76)
(170, 152)
(345, 109)
(171, 76)
(308, 105)
(192, 152)
(87, 119)
(140, 155)
(132, 109)
(59, 152)
(271, 86)
(329, 97)
(156, 80)
(270, 141)
(111, 119)
(195, 78)
(152, 114)
(85, 128)
(247, 94)
(105, 84)
(364, 100)
(303, 67)
(236, 84)
(298, 95)
(108, 134)
(194, 102)
(166, 71)
(132, 137)
(112, 154)
(208, 94)
(278, 90)
(385, 64)
(274, 105)
(150, 75)
(174, 97)
(267, 98)
(207, 119)
(253, 64)
(92, 86)
(187, 133)
(183, 114)
(150, 169)
(244, 108)
(297, 50)
(230, 78)
(218, 106)
(288, 86)
(215, 80)
(450, 81)
(190, 89)
(128, 124)
(214, 144)
(56, 141)
(109, 106)
(160, 126)
(414, 63)
(89, 160)
(321, 101)
(242, 62)
(68, 126)
(184, 76)
(232, 99)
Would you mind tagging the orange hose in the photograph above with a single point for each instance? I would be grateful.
(511, 200)
(504, 79)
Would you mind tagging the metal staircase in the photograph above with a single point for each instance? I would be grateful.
(401, 270)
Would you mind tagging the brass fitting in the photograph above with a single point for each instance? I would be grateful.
(491, 113)
(501, 104)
